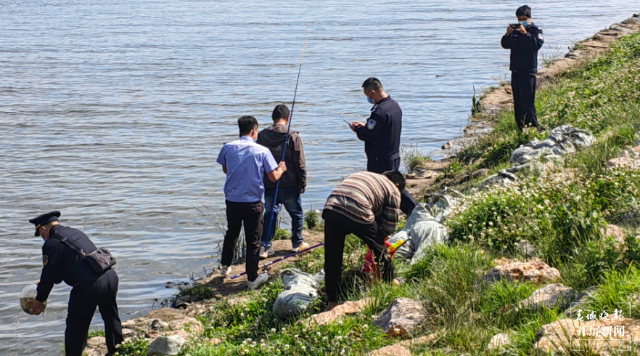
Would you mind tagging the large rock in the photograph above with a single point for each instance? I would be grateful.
(498, 342)
(617, 233)
(568, 334)
(166, 345)
(534, 270)
(550, 296)
(401, 317)
(624, 162)
(343, 309)
(392, 350)
(161, 321)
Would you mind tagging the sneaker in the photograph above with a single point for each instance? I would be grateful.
(226, 271)
(266, 253)
(303, 246)
(261, 279)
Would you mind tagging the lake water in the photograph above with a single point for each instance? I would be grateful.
(114, 112)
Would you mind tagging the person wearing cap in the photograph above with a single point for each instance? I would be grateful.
(90, 289)
(381, 135)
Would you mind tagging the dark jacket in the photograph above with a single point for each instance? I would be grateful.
(381, 135)
(524, 49)
(61, 263)
(273, 138)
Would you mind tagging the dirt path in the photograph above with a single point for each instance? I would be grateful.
(227, 286)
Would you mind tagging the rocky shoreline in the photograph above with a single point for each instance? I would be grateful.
(168, 331)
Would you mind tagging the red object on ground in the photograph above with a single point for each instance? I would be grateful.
(370, 267)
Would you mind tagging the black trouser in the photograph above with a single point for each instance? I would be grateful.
(407, 203)
(524, 99)
(251, 215)
(83, 301)
(336, 228)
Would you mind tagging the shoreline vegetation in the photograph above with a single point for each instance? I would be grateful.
(516, 256)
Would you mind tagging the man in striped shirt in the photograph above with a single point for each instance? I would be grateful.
(365, 204)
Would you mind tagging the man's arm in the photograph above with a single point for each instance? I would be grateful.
(222, 160)
(371, 129)
(275, 174)
(537, 38)
(390, 214)
(51, 271)
(300, 163)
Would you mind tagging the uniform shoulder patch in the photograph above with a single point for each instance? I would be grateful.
(371, 124)
(45, 260)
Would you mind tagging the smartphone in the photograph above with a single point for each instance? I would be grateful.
(348, 123)
(515, 26)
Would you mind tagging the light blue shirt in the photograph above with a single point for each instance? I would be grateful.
(246, 163)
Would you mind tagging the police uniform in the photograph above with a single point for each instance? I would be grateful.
(381, 136)
(90, 289)
(524, 66)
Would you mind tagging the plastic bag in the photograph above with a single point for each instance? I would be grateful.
(27, 295)
(423, 229)
(300, 289)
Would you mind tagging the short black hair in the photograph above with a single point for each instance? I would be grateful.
(280, 112)
(397, 178)
(246, 124)
(372, 83)
(524, 11)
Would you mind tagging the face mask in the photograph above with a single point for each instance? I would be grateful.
(371, 101)
(525, 23)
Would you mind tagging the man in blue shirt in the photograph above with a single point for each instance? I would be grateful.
(245, 162)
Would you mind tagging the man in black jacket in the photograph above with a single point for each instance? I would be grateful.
(524, 42)
(293, 182)
(381, 135)
(90, 289)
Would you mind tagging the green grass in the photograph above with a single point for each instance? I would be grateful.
(412, 157)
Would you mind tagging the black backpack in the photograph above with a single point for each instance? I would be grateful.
(100, 260)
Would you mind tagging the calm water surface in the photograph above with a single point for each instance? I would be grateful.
(114, 112)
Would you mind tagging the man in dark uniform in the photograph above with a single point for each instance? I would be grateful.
(90, 289)
(381, 135)
(524, 42)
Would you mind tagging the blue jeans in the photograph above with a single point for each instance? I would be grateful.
(290, 198)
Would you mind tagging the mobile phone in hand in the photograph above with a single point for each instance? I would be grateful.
(515, 26)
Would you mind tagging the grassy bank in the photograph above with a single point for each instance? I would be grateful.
(563, 213)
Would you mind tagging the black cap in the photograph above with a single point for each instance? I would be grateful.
(44, 219)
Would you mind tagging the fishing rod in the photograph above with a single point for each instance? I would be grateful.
(280, 259)
(284, 152)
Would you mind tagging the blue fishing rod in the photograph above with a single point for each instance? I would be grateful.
(286, 144)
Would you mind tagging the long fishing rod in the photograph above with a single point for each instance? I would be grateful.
(284, 152)
(280, 259)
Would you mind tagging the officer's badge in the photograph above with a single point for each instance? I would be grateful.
(45, 260)
(371, 124)
(540, 36)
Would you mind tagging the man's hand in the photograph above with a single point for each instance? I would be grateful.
(275, 174)
(302, 190)
(509, 30)
(354, 125)
(36, 307)
(522, 30)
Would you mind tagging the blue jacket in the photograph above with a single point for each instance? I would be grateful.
(381, 136)
(524, 49)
